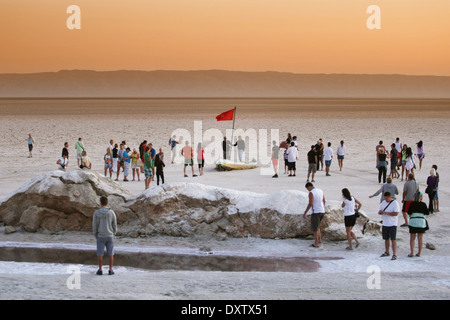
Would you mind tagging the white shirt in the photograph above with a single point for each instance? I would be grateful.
(63, 161)
(327, 154)
(340, 150)
(389, 221)
(317, 206)
(410, 162)
(292, 153)
(349, 208)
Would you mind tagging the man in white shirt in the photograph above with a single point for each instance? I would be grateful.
(294, 139)
(317, 204)
(292, 154)
(389, 210)
(328, 156)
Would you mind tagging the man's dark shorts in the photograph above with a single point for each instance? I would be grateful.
(389, 233)
(316, 218)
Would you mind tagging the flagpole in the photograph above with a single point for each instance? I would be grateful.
(232, 131)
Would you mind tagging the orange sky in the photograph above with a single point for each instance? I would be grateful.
(320, 36)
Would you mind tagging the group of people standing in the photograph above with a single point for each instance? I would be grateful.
(417, 211)
(389, 209)
(119, 157)
(226, 148)
(401, 156)
(413, 208)
(316, 203)
(149, 162)
(188, 155)
(83, 160)
(316, 157)
(142, 160)
(146, 160)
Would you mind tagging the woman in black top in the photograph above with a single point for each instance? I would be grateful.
(417, 222)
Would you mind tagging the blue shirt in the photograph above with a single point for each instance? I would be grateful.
(125, 155)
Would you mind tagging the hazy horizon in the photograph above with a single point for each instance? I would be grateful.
(220, 84)
(227, 70)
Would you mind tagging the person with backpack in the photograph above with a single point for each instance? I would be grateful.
(432, 185)
(173, 147)
(382, 165)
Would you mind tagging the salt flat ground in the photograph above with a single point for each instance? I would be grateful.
(361, 123)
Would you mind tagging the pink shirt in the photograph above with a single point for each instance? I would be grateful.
(187, 152)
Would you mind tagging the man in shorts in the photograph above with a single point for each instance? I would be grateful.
(317, 204)
(104, 226)
(79, 146)
(389, 210)
(328, 157)
(188, 154)
(319, 149)
(292, 154)
(312, 162)
(409, 191)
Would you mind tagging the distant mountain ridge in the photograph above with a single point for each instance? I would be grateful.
(218, 84)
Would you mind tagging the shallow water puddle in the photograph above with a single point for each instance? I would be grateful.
(166, 261)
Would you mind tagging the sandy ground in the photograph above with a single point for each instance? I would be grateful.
(359, 274)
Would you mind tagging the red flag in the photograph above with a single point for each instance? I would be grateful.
(227, 115)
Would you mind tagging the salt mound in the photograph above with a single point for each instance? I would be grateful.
(59, 201)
